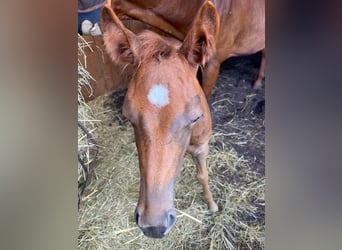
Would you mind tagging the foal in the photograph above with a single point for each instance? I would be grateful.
(167, 108)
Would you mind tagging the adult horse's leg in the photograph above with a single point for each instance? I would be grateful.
(199, 155)
(209, 76)
(261, 75)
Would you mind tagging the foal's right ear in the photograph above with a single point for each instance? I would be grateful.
(199, 44)
(120, 43)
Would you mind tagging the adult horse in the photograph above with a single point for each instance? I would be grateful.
(167, 106)
(241, 32)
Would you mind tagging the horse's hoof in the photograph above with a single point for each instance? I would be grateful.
(213, 207)
(257, 85)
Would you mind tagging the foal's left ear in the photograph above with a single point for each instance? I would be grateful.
(120, 43)
(200, 43)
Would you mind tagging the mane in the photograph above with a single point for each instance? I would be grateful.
(156, 46)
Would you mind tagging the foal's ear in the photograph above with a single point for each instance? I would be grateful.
(200, 43)
(120, 43)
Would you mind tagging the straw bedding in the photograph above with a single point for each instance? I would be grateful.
(87, 149)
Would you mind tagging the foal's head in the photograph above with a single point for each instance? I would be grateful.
(165, 104)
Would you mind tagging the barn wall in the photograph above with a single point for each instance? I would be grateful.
(107, 76)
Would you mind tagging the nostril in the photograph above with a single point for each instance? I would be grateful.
(136, 217)
(171, 219)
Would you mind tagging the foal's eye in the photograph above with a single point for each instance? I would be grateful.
(195, 120)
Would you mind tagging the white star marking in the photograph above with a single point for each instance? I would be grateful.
(158, 95)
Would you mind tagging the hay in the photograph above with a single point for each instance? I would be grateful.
(87, 149)
(106, 213)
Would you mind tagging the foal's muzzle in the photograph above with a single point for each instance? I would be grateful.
(158, 226)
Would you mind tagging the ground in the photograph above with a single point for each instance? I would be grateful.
(238, 111)
(236, 165)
